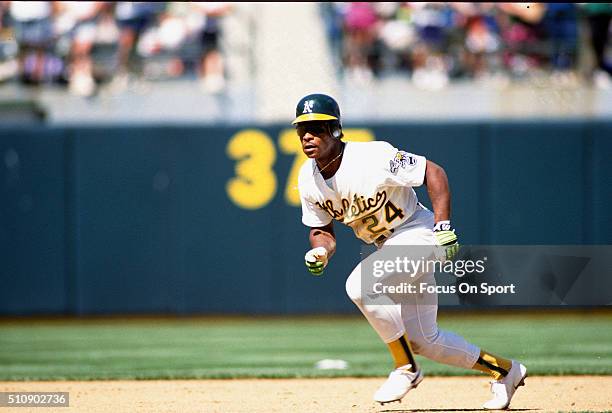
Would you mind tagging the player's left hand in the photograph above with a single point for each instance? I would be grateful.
(445, 234)
(316, 260)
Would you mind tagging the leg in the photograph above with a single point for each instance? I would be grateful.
(419, 316)
(420, 311)
(211, 65)
(81, 68)
(427, 340)
(127, 38)
(384, 316)
(212, 71)
(599, 25)
(449, 348)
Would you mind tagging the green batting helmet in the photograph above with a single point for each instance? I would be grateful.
(317, 106)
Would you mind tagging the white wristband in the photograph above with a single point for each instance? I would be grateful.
(442, 226)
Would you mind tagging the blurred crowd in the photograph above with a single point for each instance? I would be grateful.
(90, 44)
(87, 44)
(438, 42)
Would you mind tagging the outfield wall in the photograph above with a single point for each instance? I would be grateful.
(186, 219)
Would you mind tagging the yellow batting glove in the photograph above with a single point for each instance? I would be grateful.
(445, 234)
(316, 260)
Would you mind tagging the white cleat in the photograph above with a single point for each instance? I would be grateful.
(400, 381)
(504, 389)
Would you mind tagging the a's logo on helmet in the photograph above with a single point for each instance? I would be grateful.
(308, 106)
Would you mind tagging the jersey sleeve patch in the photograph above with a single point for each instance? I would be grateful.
(401, 160)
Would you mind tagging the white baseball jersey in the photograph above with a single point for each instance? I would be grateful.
(371, 192)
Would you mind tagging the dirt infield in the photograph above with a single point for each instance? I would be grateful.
(435, 394)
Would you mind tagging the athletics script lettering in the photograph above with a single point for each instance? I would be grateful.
(350, 211)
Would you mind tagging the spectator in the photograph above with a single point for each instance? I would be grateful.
(561, 24)
(161, 44)
(332, 15)
(9, 48)
(360, 22)
(212, 68)
(482, 43)
(599, 15)
(432, 42)
(4, 5)
(433, 23)
(32, 22)
(132, 18)
(397, 34)
(523, 35)
(78, 21)
(440, 41)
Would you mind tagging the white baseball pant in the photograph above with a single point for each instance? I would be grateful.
(416, 319)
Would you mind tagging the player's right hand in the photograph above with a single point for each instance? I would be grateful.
(316, 260)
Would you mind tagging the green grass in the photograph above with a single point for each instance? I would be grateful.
(559, 343)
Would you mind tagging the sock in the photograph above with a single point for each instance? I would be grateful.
(497, 367)
(402, 353)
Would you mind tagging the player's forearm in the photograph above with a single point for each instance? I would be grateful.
(323, 237)
(439, 191)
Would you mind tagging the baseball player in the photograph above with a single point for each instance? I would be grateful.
(368, 186)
